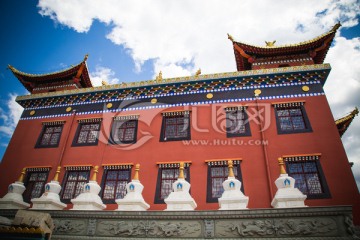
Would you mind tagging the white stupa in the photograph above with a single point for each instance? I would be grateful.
(133, 200)
(14, 198)
(232, 197)
(50, 199)
(180, 199)
(89, 199)
(287, 196)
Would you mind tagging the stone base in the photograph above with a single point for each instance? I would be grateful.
(87, 205)
(180, 205)
(89, 199)
(48, 204)
(288, 198)
(233, 204)
(13, 204)
(124, 205)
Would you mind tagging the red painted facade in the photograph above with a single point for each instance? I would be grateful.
(258, 153)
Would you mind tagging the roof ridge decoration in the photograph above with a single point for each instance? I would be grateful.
(343, 123)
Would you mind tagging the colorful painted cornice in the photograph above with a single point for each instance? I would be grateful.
(263, 78)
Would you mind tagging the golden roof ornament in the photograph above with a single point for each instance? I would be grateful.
(230, 166)
(159, 77)
(104, 83)
(137, 169)
(230, 37)
(181, 171)
(281, 164)
(56, 178)
(336, 27)
(198, 72)
(94, 176)
(86, 57)
(21, 178)
(270, 44)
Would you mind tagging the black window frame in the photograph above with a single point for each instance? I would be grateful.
(236, 164)
(27, 193)
(163, 137)
(104, 180)
(65, 180)
(78, 131)
(43, 132)
(325, 188)
(231, 111)
(115, 127)
(289, 106)
(158, 199)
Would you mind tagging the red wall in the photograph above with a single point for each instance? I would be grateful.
(323, 139)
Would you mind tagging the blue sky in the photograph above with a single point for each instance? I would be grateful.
(134, 40)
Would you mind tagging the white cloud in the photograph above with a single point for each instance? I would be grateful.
(10, 116)
(182, 36)
(103, 74)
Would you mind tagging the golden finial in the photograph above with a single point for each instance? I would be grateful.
(137, 169)
(95, 173)
(270, 44)
(86, 57)
(230, 166)
(56, 178)
(21, 178)
(355, 111)
(230, 37)
(181, 171)
(336, 27)
(281, 164)
(104, 83)
(159, 77)
(198, 72)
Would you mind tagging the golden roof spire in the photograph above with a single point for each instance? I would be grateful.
(137, 169)
(159, 77)
(56, 178)
(198, 72)
(94, 176)
(181, 170)
(230, 37)
(281, 164)
(86, 57)
(230, 166)
(270, 44)
(21, 178)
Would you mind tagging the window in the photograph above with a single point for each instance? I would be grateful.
(50, 134)
(291, 118)
(74, 181)
(237, 124)
(175, 126)
(124, 130)
(218, 172)
(114, 182)
(87, 133)
(308, 175)
(167, 175)
(35, 181)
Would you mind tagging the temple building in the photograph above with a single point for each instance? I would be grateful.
(273, 107)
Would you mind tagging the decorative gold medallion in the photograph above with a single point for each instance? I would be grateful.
(209, 95)
(68, 109)
(305, 88)
(109, 105)
(257, 92)
(32, 113)
(154, 100)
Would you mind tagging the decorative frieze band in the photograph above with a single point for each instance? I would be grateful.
(77, 168)
(118, 166)
(184, 113)
(126, 117)
(90, 120)
(173, 164)
(221, 162)
(52, 123)
(288, 104)
(38, 169)
(302, 158)
(235, 108)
